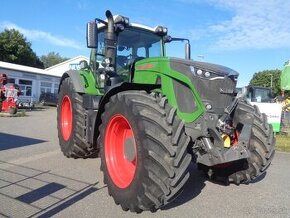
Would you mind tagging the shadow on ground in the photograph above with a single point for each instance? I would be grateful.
(192, 188)
(9, 141)
(41, 193)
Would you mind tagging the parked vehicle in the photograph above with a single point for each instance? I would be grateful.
(9, 93)
(262, 98)
(149, 116)
(29, 104)
(47, 98)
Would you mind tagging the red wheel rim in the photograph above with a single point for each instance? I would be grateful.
(120, 151)
(66, 118)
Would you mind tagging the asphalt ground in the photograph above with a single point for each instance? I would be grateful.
(36, 180)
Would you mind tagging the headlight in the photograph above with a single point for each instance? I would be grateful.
(207, 74)
(199, 72)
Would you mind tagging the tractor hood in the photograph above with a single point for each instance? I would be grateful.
(214, 83)
(200, 68)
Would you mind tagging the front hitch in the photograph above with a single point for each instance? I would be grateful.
(218, 154)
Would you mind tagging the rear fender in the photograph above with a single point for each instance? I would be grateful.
(76, 80)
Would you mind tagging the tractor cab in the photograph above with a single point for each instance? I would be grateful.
(133, 44)
(259, 94)
(118, 44)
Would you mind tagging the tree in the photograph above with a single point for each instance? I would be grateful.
(14, 48)
(51, 59)
(264, 78)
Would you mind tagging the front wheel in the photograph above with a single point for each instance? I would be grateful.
(261, 148)
(143, 151)
(12, 110)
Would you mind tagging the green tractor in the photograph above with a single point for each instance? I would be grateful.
(149, 116)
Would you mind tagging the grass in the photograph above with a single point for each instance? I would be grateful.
(283, 143)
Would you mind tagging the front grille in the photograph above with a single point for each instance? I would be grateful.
(184, 97)
(218, 92)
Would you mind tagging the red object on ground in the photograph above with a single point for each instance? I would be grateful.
(8, 94)
(8, 104)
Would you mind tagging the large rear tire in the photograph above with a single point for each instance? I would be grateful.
(71, 122)
(143, 151)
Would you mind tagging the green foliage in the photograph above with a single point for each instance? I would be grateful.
(263, 79)
(52, 59)
(14, 48)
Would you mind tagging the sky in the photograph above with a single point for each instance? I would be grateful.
(247, 36)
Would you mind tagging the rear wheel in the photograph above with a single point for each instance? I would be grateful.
(143, 151)
(12, 110)
(71, 122)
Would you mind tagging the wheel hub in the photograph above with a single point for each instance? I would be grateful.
(129, 149)
(66, 117)
(120, 151)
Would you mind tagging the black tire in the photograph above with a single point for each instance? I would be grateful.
(261, 146)
(75, 146)
(161, 150)
(12, 110)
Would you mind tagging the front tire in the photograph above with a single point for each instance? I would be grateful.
(71, 122)
(261, 146)
(261, 149)
(143, 151)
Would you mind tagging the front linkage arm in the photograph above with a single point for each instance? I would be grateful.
(215, 152)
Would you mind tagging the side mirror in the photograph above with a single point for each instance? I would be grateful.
(92, 35)
(187, 51)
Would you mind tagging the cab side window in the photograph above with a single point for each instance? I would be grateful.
(124, 54)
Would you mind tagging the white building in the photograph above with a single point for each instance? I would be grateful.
(33, 81)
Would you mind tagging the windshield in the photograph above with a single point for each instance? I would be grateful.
(133, 44)
(142, 43)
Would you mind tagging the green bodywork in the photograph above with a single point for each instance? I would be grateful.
(149, 71)
(285, 77)
(276, 127)
(89, 82)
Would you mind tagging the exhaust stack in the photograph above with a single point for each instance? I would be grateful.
(110, 40)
